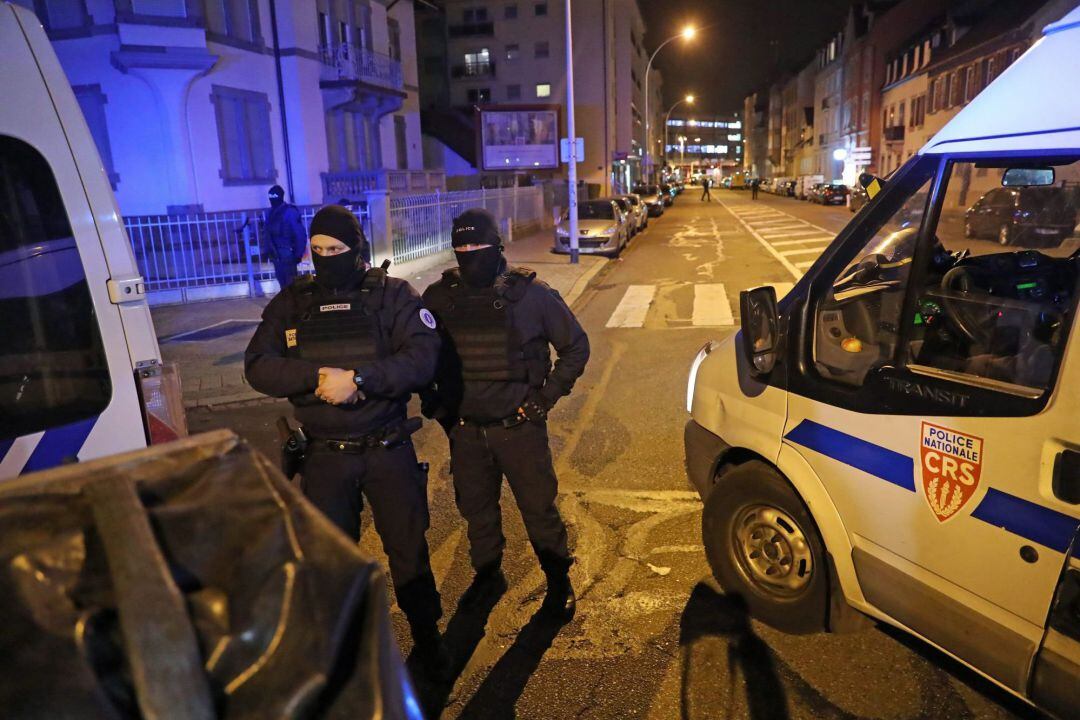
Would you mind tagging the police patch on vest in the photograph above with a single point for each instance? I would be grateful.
(290, 337)
(427, 318)
(335, 307)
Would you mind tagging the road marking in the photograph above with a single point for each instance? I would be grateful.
(711, 305)
(633, 308)
(787, 233)
(804, 241)
(771, 222)
(801, 251)
(795, 271)
(782, 288)
(804, 264)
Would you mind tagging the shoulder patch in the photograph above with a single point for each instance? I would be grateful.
(427, 318)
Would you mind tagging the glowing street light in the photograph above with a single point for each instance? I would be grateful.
(687, 34)
(689, 99)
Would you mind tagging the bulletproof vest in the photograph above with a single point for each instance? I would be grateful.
(340, 330)
(480, 321)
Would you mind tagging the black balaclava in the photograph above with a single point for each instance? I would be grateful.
(479, 268)
(337, 272)
(277, 195)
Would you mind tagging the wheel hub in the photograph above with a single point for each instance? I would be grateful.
(772, 551)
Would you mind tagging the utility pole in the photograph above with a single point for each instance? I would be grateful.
(571, 170)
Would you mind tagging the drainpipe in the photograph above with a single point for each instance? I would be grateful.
(281, 103)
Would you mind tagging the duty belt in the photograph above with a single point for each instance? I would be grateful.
(507, 422)
(388, 438)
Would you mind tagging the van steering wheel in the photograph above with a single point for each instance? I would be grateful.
(958, 279)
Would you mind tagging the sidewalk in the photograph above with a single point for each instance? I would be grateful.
(207, 339)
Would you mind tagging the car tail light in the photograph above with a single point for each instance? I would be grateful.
(162, 402)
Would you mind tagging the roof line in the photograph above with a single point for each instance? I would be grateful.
(1007, 135)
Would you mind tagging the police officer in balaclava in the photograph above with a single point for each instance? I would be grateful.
(493, 389)
(347, 347)
(284, 239)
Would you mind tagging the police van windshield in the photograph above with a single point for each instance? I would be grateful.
(994, 301)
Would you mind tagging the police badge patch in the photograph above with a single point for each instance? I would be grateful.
(427, 318)
(951, 465)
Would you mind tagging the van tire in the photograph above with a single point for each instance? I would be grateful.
(754, 495)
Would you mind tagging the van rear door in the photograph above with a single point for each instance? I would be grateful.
(67, 389)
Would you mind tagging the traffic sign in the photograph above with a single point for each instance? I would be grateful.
(564, 149)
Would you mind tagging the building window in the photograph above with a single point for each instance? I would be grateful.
(243, 121)
(475, 15)
(401, 142)
(956, 90)
(543, 90)
(324, 29)
(513, 92)
(510, 12)
(900, 115)
(155, 8)
(479, 95)
(92, 102)
(59, 14)
(231, 18)
(540, 9)
(970, 90)
(393, 28)
(478, 62)
(513, 52)
(542, 49)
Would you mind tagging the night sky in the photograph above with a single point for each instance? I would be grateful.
(741, 44)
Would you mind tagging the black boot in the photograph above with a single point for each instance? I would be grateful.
(487, 586)
(429, 651)
(560, 601)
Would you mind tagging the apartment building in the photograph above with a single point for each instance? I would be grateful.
(797, 156)
(828, 100)
(513, 52)
(694, 142)
(201, 105)
(755, 119)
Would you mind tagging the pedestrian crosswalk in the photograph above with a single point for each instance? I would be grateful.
(794, 242)
(713, 305)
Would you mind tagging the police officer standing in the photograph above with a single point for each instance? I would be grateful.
(493, 389)
(285, 239)
(347, 348)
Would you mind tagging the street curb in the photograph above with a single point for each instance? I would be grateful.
(583, 282)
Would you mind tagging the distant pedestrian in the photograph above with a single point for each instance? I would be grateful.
(285, 239)
(753, 188)
(706, 183)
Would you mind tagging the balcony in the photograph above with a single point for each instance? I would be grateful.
(481, 29)
(345, 63)
(894, 133)
(352, 184)
(473, 70)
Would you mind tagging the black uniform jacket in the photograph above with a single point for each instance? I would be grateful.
(541, 314)
(413, 349)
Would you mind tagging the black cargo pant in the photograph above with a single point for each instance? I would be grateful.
(480, 456)
(336, 483)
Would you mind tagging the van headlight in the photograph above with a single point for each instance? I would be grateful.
(692, 382)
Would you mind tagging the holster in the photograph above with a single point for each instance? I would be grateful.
(294, 445)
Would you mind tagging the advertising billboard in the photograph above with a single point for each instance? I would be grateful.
(519, 137)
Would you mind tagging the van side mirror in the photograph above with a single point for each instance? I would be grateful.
(760, 326)
(1027, 177)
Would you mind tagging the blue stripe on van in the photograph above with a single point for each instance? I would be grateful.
(1023, 517)
(5, 445)
(59, 444)
(856, 452)
(1016, 515)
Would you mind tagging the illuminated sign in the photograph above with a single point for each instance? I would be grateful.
(519, 137)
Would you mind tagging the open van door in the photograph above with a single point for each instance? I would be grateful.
(1055, 683)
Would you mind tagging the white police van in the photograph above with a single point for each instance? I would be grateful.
(901, 433)
(80, 370)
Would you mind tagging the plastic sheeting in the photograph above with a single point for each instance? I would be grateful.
(187, 581)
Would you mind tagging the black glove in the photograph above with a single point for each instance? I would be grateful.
(535, 408)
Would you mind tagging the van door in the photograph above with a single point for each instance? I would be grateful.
(1055, 682)
(933, 397)
(66, 382)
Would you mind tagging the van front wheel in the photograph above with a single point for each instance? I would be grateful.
(762, 544)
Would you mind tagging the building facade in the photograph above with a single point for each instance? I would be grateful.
(828, 102)
(756, 134)
(797, 156)
(698, 143)
(507, 52)
(201, 105)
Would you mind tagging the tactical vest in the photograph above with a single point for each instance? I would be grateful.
(340, 330)
(480, 321)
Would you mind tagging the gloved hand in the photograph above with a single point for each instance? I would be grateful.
(535, 408)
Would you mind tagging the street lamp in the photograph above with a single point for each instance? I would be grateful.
(687, 34)
(689, 100)
(571, 170)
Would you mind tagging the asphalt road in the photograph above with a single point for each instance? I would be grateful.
(654, 636)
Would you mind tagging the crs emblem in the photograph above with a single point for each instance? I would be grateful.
(951, 464)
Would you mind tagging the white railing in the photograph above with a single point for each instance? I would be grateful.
(420, 224)
(352, 62)
(352, 183)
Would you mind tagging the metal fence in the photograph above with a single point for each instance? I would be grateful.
(205, 250)
(420, 224)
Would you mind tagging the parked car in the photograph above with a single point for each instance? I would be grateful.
(639, 211)
(804, 183)
(650, 195)
(668, 194)
(832, 194)
(814, 193)
(602, 229)
(628, 215)
(1028, 215)
(859, 198)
